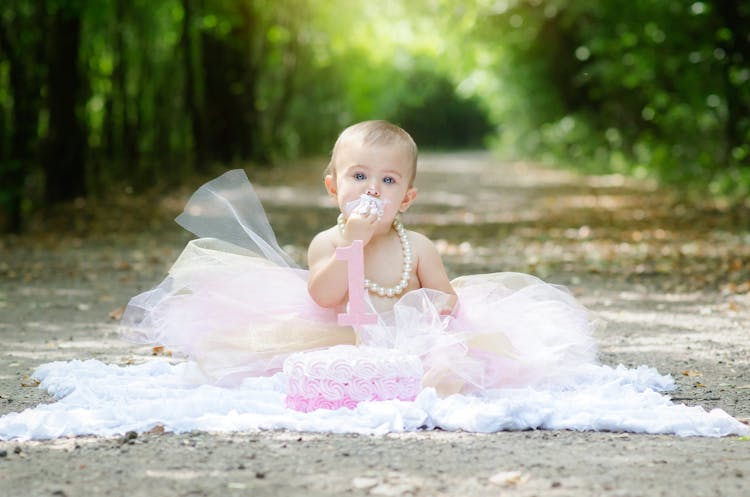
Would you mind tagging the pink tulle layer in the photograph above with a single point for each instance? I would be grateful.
(235, 305)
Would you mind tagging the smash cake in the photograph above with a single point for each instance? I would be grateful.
(345, 375)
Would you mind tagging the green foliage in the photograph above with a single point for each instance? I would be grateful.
(168, 87)
(426, 104)
(643, 87)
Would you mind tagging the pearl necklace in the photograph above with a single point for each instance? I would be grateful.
(398, 289)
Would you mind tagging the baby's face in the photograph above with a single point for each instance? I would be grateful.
(382, 172)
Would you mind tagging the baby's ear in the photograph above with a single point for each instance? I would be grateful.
(330, 185)
(411, 194)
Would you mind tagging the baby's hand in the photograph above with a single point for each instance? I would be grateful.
(365, 204)
(360, 226)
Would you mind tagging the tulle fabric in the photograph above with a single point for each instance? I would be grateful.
(233, 312)
(236, 304)
(509, 330)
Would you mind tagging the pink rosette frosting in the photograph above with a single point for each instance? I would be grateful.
(293, 387)
(345, 375)
(297, 371)
(316, 369)
(367, 369)
(385, 388)
(309, 387)
(321, 402)
(342, 370)
(298, 403)
(331, 389)
(349, 402)
(362, 389)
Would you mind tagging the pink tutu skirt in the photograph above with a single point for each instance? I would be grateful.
(236, 305)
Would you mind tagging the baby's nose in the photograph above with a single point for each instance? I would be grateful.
(373, 192)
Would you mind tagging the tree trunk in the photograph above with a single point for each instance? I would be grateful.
(24, 54)
(64, 167)
(192, 105)
(122, 138)
(272, 128)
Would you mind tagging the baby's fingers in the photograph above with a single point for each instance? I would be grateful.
(363, 218)
(372, 216)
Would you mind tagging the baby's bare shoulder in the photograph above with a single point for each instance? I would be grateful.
(420, 243)
(324, 239)
(322, 245)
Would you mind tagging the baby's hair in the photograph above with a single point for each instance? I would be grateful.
(377, 132)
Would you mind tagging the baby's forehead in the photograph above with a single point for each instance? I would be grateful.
(348, 153)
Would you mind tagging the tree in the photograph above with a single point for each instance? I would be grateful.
(64, 161)
(22, 28)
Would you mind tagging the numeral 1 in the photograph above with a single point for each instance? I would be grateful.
(355, 314)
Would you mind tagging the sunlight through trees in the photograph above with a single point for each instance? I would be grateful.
(137, 91)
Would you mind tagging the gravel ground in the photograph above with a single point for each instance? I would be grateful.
(670, 280)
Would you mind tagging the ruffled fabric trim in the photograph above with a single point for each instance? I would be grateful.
(91, 395)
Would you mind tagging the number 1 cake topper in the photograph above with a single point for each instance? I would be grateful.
(355, 314)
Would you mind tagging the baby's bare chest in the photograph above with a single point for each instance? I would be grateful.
(385, 265)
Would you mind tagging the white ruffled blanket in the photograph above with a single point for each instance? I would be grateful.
(94, 398)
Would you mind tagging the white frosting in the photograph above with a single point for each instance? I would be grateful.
(344, 363)
(365, 205)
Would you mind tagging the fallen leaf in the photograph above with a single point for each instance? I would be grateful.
(28, 381)
(122, 265)
(159, 350)
(690, 372)
(698, 384)
(509, 478)
(117, 313)
(156, 430)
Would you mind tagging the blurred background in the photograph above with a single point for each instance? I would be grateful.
(103, 96)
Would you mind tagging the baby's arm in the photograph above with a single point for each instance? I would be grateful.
(327, 284)
(430, 269)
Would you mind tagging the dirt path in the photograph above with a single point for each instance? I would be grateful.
(672, 282)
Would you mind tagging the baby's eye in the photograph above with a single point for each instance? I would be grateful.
(389, 180)
(360, 176)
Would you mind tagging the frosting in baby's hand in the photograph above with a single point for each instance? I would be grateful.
(365, 205)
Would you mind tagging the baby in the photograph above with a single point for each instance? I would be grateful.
(235, 303)
(371, 176)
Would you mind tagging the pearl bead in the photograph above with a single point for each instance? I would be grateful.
(397, 289)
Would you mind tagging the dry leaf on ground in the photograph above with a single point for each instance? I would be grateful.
(509, 478)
